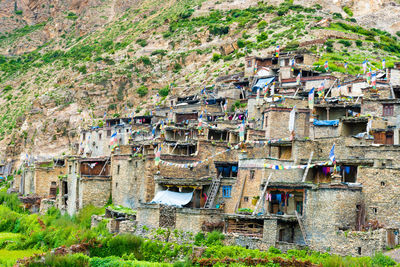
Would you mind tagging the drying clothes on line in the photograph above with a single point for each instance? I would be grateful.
(347, 169)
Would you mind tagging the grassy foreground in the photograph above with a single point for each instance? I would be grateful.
(23, 235)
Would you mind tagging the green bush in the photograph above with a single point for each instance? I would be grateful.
(216, 57)
(262, 37)
(348, 11)
(142, 91)
(214, 238)
(18, 12)
(346, 43)
(241, 43)
(359, 43)
(261, 25)
(382, 260)
(219, 30)
(7, 88)
(164, 91)
(145, 60)
(141, 42)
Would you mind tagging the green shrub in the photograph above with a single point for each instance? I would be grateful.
(346, 43)
(18, 12)
(164, 91)
(142, 91)
(241, 43)
(214, 238)
(348, 11)
(262, 37)
(145, 60)
(141, 42)
(337, 16)
(382, 260)
(199, 239)
(7, 88)
(261, 25)
(219, 30)
(72, 16)
(359, 43)
(216, 57)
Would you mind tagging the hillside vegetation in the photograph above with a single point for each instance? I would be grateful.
(116, 58)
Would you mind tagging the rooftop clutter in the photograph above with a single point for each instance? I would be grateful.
(277, 155)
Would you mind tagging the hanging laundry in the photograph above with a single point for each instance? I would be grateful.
(347, 169)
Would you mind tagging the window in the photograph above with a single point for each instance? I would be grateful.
(388, 109)
(118, 167)
(127, 130)
(246, 199)
(70, 169)
(99, 136)
(119, 130)
(349, 88)
(249, 63)
(252, 172)
(375, 210)
(108, 132)
(382, 183)
(226, 190)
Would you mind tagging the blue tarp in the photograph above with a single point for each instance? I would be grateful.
(261, 83)
(326, 123)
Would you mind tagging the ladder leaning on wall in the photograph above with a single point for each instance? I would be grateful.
(212, 192)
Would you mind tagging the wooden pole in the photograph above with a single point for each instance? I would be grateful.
(241, 194)
(308, 167)
(262, 195)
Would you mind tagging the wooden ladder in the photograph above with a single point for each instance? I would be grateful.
(301, 227)
(212, 192)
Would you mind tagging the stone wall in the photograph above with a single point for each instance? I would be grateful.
(326, 211)
(95, 191)
(381, 192)
(44, 177)
(128, 180)
(276, 122)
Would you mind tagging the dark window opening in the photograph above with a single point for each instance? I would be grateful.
(246, 199)
(382, 183)
(108, 132)
(118, 167)
(217, 135)
(375, 210)
(227, 170)
(252, 173)
(359, 250)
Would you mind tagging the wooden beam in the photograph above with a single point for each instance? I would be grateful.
(308, 167)
(262, 195)
(301, 227)
(241, 194)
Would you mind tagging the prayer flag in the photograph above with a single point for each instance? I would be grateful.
(298, 79)
(277, 51)
(332, 154)
(384, 64)
(326, 66)
(311, 98)
(292, 117)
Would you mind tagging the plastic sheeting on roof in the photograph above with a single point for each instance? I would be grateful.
(326, 123)
(262, 82)
(171, 198)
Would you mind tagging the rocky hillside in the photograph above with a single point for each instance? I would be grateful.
(64, 63)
